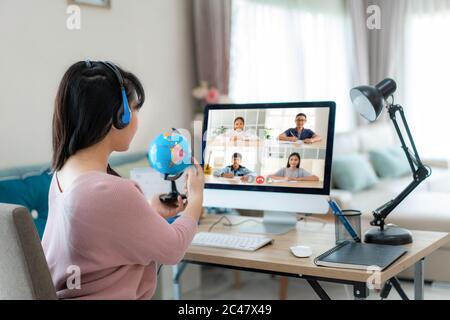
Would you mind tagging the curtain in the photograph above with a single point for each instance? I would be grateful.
(377, 53)
(291, 50)
(426, 72)
(212, 25)
(360, 66)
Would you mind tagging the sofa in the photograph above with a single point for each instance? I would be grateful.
(426, 208)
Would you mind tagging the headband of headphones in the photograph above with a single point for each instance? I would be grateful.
(124, 116)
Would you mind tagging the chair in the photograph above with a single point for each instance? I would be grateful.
(24, 273)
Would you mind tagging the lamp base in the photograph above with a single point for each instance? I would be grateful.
(391, 235)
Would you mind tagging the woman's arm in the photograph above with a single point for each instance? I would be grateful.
(126, 225)
(309, 178)
(274, 177)
(167, 211)
(279, 175)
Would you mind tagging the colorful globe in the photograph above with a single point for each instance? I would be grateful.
(169, 153)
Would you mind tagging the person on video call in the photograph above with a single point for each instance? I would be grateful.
(293, 172)
(97, 220)
(235, 169)
(239, 132)
(299, 132)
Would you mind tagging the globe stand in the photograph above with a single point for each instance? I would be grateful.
(171, 198)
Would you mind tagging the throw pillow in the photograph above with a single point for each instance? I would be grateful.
(389, 162)
(353, 173)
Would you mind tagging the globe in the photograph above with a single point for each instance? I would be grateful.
(169, 153)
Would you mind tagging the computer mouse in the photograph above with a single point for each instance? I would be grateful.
(301, 251)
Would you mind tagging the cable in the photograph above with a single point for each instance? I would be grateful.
(159, 269)
(240, 222)
(323, 221)
(215, 223)
(429, 170)
(230, 224)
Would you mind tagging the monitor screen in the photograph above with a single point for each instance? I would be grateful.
(279, 147)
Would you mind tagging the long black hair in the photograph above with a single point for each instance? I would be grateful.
(88, 97)
(294, 154)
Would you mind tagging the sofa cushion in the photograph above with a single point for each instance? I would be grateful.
(390, 162)
(345, 143)
(31, 191)
(439, 181)
(353, 173)
(376, 136)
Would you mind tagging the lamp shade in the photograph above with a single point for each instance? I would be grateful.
(370, 100)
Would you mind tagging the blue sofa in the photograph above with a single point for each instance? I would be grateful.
(29, 185)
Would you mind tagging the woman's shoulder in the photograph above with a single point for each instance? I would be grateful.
(97, 184)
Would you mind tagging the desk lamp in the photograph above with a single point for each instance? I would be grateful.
(369, 102)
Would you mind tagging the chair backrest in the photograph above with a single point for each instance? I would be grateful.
(24, 272)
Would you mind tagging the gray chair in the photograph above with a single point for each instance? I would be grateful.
(24, 272)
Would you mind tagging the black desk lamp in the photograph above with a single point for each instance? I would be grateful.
(369, 101)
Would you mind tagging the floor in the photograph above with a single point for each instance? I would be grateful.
(218, 284)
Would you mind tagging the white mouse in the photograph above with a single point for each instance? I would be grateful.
(301, 251)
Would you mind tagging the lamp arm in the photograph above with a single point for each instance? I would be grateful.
(419, 171)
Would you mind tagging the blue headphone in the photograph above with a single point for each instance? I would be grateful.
(122, 117)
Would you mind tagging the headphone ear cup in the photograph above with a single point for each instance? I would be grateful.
(117, 118)
(122, 118)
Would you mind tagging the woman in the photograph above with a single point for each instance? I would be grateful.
(293, 172)
(300, 132)
(99, 223)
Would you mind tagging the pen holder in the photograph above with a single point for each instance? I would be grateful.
(354, 218)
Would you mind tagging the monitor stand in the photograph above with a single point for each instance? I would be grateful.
(274, 222)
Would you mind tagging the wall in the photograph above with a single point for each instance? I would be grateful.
(151, 38)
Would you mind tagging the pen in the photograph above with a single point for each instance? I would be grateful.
(337, 211)
(290, 131)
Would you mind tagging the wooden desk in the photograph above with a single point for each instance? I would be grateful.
(320, 235)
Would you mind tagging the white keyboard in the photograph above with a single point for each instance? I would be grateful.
(230, 241)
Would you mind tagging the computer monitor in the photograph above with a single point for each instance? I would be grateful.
(274, 157)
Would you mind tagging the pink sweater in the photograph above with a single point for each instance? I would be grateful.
(104, 225)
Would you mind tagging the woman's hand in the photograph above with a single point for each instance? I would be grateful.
(293, 139)
(308, 141)
(195, 182)
(167, 211)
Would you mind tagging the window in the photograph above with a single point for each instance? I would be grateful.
(291, 50)
(427, 69)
